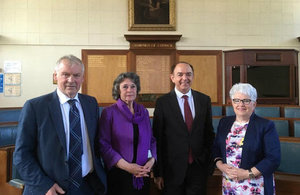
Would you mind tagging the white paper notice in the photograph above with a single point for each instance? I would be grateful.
(12, 67)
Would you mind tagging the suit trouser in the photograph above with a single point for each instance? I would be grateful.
(194, 182)
(91, 185)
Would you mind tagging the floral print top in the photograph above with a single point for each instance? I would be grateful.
(234, 147)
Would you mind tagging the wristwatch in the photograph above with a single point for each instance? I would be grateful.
(251, 175)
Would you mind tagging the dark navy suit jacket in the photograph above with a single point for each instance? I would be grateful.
(40, 154)
(261, 147)
(174, 140)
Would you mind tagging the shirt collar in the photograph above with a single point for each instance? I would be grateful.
(63, 98)
(179, 94)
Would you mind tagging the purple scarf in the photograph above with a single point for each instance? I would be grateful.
(139, 111)
(138, 116)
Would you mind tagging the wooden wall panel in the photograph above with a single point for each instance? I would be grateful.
(273, 72)
(207, 72)
(102, 72)
(153, 67)
(101, 69)
(154, 71)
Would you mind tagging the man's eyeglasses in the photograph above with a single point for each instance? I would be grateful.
(244, 101)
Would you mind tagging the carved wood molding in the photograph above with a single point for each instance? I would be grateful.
(152, 41)
(238, 63)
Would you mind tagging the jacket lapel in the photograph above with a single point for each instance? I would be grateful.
(250, 136)
(197, 104)
(198, 108)
(56, 115)
(225, 130)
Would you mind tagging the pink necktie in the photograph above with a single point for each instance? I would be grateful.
(189, 121)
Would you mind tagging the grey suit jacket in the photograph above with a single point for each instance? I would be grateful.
(40, 153)
(173, 139)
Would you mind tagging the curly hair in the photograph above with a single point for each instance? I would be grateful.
(126, 75)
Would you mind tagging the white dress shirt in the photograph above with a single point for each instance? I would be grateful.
(180, 100)
(86, 158)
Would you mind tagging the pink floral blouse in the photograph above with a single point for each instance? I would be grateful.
(234, 147)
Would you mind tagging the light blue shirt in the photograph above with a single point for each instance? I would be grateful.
(86, 158)
(180, 100)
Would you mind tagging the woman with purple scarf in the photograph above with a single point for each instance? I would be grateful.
(126, 141)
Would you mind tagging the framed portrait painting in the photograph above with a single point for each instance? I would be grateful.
(154, 15)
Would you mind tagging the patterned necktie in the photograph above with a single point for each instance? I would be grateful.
(75, 146)
(188, 120)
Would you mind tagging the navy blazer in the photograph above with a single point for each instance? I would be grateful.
(261, 147)
(174, 140)
(40, 153)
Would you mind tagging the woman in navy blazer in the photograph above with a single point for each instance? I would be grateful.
(246, 148)
(126, 141)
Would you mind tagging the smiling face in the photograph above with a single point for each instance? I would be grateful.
(128, 91)
(241, 109)
(69, 78)
(182, 77)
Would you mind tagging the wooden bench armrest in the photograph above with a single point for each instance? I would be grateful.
(17, 183)
(287, 176)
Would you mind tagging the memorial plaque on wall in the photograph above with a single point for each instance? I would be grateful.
(102, 71)
(151, 57)
(154, 72)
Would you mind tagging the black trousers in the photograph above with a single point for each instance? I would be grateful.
(194, 183)
(119, 182)
(91, 185)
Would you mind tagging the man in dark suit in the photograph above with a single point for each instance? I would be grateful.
(50, 155)
(182, 125)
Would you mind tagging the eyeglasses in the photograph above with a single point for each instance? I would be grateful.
(244, 101)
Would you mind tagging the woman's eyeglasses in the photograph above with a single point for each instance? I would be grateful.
(244, 101)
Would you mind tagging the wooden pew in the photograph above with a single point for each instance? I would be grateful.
(9, 183)
(289, 182)
(6, 172)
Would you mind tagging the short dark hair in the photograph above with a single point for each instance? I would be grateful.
(182, 62)
(125, 75)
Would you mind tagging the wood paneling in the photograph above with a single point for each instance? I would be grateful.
(154, 71)
(271, 85)
(151, 57)
(101, 69)
(207, 71)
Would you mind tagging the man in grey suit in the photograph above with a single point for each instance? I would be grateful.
(182, 125)
(51, 157)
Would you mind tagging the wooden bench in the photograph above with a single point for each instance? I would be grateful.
(10, 182)
(287, 176)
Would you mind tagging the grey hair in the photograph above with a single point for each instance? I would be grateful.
(73, 60)
(126, 75)
(244, 88)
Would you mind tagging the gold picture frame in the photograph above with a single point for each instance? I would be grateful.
(151, 15)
